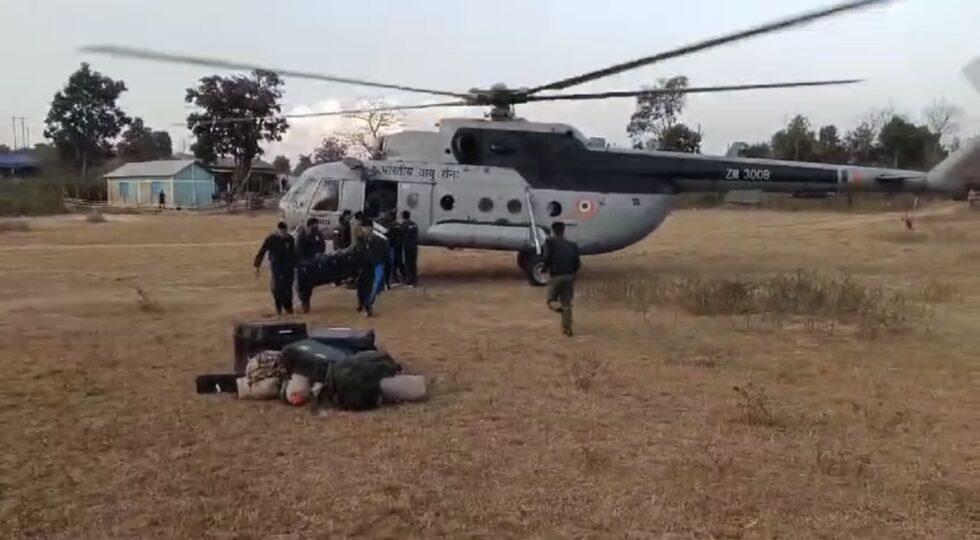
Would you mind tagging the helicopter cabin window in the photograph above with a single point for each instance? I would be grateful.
(554, 209)
(514, 206)
(327, 196)
(447, 202)
(485, 204)
(412, 200)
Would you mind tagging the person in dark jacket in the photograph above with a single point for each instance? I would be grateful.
(409, 239)
(358, 231)
(370, 278)
(162, 199)
(342, 236)
(281, 249)
(309, 244)
(397, 250)
(392, 261)
(561, 261)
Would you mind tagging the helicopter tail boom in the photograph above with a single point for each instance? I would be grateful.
(956, 174)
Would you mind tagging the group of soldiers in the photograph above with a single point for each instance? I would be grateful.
(390, 256)
(389, 248)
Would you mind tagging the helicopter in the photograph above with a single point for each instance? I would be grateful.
(499, 182)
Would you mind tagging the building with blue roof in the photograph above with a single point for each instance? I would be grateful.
(18, 164)
(185, 183)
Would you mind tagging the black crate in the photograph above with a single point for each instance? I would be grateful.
(217, 383)
(311, 358)
(257, 336)
(351, 340)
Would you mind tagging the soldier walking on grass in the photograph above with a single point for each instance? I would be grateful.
(562, 262)
(281, 250)
(309, 244)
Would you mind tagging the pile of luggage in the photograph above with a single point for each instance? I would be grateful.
(322, 367)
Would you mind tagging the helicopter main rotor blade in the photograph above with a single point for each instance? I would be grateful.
(345, 112)
(145, 54)
(692, 90)
(707, 44)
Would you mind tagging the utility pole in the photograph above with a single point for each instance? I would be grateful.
(23, 131)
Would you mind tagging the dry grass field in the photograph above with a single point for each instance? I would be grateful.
(712, 391)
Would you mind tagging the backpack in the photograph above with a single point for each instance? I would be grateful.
(354, 383)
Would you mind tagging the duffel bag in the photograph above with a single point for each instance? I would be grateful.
(354, 383)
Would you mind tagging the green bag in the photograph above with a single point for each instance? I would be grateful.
(354, 383)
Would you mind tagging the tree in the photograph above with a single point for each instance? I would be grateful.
(221, 99)
(861, 144)
(304, 163)
(281, 164)
(140, 143)
(796, 142)
(4, 149)
(657, 112)
(830, 149)
(680, 138)
(908, 146)
(955, 144)
(84, 117)
(331, 149)
(163, 144)
(941, 118)
(758, 150)
(375, 122)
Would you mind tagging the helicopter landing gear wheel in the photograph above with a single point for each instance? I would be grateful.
(532, 265)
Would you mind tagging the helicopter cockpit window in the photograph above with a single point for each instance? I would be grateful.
(327, 196)
(468, 148)
(501, 148)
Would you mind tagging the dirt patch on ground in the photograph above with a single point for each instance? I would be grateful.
(655, 420)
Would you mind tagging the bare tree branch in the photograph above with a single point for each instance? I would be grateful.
(375, 123)
(941, 117)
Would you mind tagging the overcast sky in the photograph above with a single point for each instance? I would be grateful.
(910, 51)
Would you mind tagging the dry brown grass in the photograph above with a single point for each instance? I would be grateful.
(800, 294)
(14, 225)
(631, 429)
(95, 217)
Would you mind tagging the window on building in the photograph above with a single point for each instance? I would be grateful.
(327, 196)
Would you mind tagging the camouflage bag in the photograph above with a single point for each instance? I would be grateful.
(265, 365)
(354, 383)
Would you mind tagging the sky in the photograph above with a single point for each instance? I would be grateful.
(910, 53)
